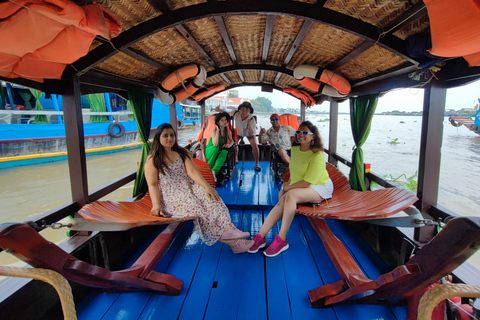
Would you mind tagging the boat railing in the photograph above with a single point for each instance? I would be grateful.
(28, 116)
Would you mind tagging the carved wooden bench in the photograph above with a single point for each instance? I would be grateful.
(449, 249)
(28, 245)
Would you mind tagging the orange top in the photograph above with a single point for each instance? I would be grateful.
(67, 31)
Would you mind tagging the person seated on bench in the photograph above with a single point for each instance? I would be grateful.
(279, 136)
(309, 182)
(245, 125)
(177, 188)
(220, 140)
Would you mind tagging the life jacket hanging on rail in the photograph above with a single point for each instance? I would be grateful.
(208, 92)
(165, 93)
(302, 95)
(322, 80)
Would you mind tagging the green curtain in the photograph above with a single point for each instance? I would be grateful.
(131, 117)
(38, 106)
(97, 104)
(141, 104)
(3, 97)
(361, 114)
(26, 95)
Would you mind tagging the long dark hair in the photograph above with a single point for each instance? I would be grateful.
(219, 117)
(317, 140)
(157, 151)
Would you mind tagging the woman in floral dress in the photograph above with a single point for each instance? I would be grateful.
(178, 189)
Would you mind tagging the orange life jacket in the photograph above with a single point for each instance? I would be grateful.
(288, 119)
(67, 31)
(302, 95)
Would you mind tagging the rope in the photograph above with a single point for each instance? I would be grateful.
(441, 292)
(182, 82)
(51, 277)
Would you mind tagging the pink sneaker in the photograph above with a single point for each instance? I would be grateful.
(259, 243)
(278, 246)
(233, 233)
(242, 245)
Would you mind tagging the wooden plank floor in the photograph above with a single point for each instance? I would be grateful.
(221, 285)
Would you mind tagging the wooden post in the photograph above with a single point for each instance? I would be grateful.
(430, 154)
(202, 113)
(77, 163)
(302, 111)
(333, 132)
(173, 117)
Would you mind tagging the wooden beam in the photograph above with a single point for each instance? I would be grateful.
(109, 82)
(260, 67)
(308, 12)
(160, 5)
(268, 36)
(226, 38)
(352, 55)
(298, 39)
(405, 18)
(139, 56)
(193, 42)
(416, 11)
(225, 78)
(390, 73)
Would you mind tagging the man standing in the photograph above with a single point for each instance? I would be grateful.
(279, 136)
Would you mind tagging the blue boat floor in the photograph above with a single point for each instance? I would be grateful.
(221, 285)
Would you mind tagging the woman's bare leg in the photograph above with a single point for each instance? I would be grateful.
(273, 217)
(292, 198)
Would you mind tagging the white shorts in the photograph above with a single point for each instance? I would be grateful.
(325, 190)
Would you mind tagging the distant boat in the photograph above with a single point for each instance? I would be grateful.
(471, 124)
(37, 136)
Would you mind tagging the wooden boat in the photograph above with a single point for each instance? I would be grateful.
(26, 141)
(245, 42)
(465, 121)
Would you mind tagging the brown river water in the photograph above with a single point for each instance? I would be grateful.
(392, 149)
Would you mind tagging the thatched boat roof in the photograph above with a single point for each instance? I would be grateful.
(258, 42)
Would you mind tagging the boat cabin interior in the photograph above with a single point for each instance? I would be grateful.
(319, 51)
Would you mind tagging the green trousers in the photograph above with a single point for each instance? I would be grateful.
(216, 155)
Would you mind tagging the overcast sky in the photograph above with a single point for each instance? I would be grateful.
(402, 99)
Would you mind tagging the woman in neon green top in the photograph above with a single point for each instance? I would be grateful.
(309, 182)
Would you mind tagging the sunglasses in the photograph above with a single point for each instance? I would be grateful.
(273, 120)
(305, 133)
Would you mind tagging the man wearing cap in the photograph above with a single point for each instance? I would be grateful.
(279, 136)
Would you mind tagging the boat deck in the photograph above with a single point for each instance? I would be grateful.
(221, 285)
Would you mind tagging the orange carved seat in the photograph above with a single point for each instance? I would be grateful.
(136, 213)
(349, 204)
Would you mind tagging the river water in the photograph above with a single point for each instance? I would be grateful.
(392, 149)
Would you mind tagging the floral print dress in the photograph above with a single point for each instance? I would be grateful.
(181, 196)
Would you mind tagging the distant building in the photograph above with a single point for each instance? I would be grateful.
(224, 102)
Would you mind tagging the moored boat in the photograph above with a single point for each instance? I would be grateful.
(29, 136)
(241, 43)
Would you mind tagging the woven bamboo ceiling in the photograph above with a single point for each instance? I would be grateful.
(259, 42)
